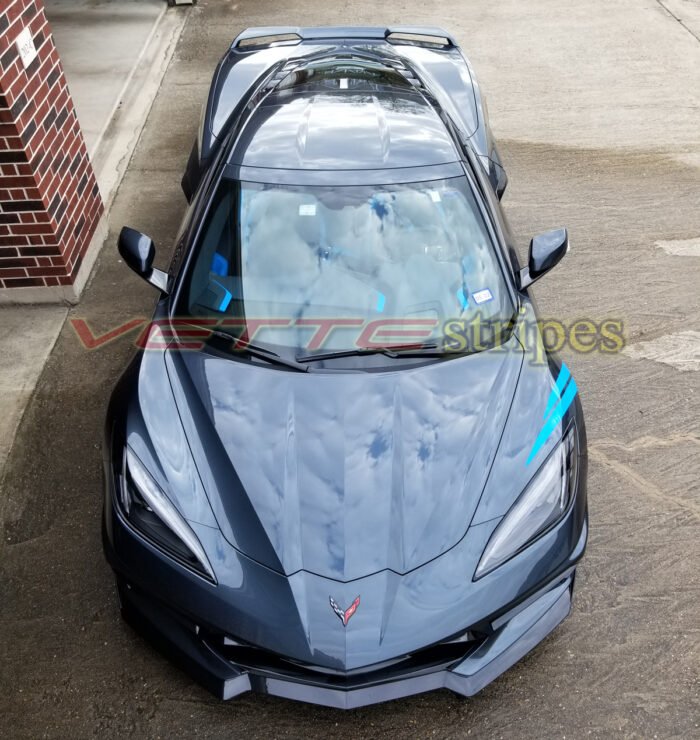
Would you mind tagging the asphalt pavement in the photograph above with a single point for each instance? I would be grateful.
(597, 109)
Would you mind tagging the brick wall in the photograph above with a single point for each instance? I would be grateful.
(49, 201)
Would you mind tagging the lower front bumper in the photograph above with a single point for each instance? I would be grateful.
(515, 634)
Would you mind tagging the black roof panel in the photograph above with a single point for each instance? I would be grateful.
(346, 123)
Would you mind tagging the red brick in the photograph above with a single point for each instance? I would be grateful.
(44, 271)
(17, 182)
(32, 229)
(36, 240)
(13, 241)
(12, 272)
(18, 262)
(29, 282)
(43, 249)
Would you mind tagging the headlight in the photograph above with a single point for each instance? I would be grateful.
(150, 511)
(541, 504)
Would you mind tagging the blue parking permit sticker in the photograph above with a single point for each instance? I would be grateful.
(219, 265)
(482, 296)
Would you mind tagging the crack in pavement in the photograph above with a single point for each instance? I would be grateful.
(679, 20)
(648, 441)
(640, 482)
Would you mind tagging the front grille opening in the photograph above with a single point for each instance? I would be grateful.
(426, 660)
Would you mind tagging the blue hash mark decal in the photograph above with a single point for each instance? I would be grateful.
(561, 397)
(462, 298)
(555, 395)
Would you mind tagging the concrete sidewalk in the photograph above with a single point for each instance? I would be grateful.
(115, 53)
(100, 44)
(596, 106)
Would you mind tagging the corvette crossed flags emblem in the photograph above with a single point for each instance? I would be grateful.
(344, 615)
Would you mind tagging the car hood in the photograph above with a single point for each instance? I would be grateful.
(344, 474)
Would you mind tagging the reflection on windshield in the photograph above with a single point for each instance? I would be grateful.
(291, 258)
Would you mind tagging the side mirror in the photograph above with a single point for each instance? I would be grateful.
(138, 251)
(546, 250)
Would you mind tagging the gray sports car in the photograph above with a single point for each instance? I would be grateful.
(344, 468)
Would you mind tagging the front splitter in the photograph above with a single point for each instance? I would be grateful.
(517, 634)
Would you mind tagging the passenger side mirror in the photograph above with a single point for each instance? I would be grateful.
(139, 251)
(546, 250)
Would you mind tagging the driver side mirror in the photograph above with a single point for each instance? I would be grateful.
(546, 250)
(138, 251)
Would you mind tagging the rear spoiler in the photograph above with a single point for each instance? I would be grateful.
(261, 37)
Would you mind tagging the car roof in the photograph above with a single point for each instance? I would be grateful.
(344, 114)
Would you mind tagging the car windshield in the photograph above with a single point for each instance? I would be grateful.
(309, 268)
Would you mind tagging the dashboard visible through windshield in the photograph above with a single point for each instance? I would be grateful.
(306, 268)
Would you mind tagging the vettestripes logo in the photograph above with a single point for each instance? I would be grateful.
(561, 397)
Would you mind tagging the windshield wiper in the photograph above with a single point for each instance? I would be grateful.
(393, 351)
(262, 354)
